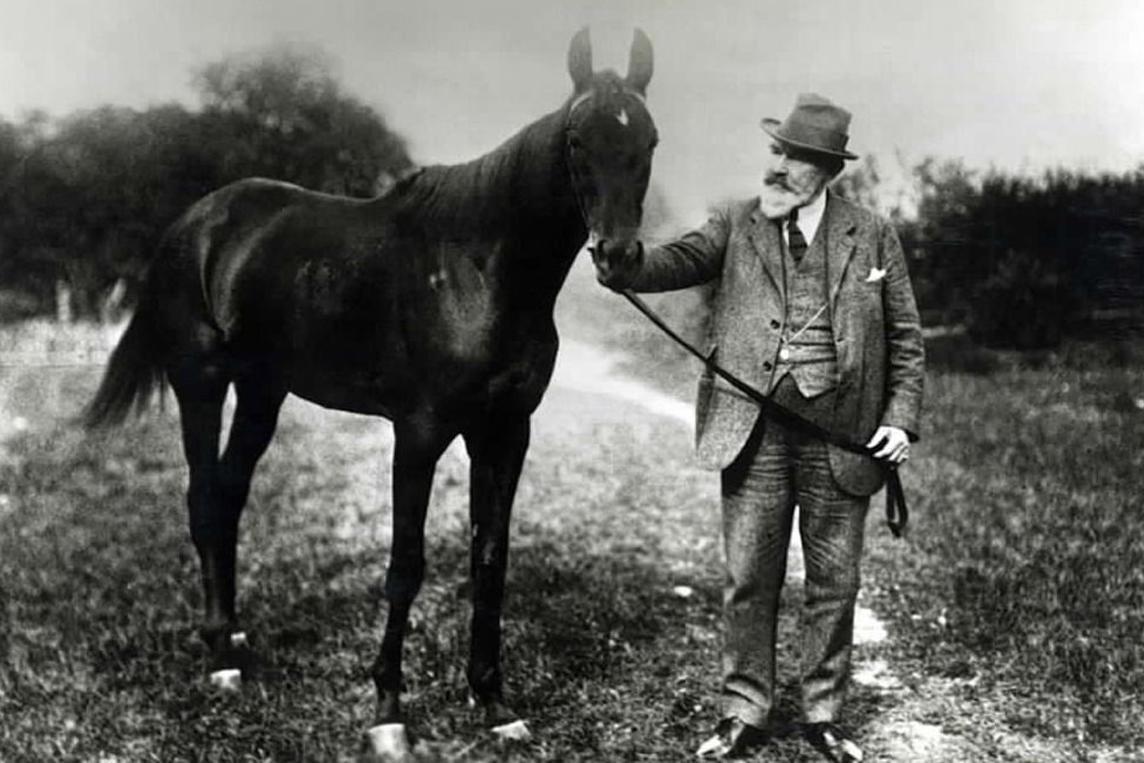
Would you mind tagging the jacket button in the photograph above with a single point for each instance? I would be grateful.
(766, 365)
(775, 324)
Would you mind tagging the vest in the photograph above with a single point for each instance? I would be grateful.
(807, 353)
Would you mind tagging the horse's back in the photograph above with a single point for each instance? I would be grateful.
(232, 248)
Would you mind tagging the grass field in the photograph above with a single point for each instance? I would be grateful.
(1020, 590)
(1028, 542)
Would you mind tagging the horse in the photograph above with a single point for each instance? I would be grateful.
(430, 305)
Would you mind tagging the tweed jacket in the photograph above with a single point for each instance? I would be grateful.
(877, 334)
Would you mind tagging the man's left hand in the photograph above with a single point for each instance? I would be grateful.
(895, 445)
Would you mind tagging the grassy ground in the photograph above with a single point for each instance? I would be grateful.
(1026, 577)
(1014, 607)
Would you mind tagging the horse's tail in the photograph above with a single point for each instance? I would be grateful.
(133, 373)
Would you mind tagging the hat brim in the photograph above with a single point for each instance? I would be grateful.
(770, 126)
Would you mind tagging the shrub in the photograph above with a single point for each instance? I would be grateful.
(1026, 303)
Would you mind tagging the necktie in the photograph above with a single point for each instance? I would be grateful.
(795, 239)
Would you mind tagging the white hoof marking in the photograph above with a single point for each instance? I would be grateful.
(226, 680)
(389, 741)
(238, 638)
(516, 731)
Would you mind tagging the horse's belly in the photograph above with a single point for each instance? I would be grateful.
(355, 392)
(343, 400)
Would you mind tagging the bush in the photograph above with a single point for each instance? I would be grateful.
(1023, 254)
(1025, 304)
(84, 199)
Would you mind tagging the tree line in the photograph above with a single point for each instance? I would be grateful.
(1021, 260)
(85, 198)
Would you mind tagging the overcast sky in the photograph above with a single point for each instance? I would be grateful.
(1017, 84)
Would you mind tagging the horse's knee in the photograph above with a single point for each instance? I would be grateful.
(404, 578)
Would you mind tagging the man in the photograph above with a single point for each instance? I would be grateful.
(815, 308)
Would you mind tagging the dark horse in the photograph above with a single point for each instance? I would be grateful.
(431, 305)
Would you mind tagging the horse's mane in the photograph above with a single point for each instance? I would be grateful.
(485, 193)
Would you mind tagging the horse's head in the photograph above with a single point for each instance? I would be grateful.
(610, 140)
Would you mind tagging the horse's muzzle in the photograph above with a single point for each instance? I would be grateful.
(615, 252)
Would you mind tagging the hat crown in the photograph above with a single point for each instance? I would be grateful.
(816, 111)
(815, 124)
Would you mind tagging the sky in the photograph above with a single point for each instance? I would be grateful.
(1019, 85)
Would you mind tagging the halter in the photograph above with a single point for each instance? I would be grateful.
(572, 171)
(587, 95)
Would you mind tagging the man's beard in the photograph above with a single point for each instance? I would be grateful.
(778, 200)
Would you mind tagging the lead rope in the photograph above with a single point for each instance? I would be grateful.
(897, 513)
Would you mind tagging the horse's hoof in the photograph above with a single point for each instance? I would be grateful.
(228, 680)
(238, 640)
(390, 742)
(514, 731)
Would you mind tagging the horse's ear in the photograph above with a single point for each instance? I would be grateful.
(640, 62)
(580, 60)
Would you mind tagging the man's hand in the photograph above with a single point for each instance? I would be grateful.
(895, 445)
(614, 264)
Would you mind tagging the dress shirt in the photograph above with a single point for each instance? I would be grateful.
(808, 219)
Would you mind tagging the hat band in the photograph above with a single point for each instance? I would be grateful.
(812, 136)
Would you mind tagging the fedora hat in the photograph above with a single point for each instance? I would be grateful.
(815, 124)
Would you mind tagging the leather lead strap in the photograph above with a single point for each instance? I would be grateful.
(897, 513)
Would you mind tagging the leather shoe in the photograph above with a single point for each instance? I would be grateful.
(833, 742)
(733, 738)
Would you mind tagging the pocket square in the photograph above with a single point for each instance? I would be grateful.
(876, 274)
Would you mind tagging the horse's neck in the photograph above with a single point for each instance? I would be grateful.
(541, 185)
(551, 222)
(520, 196)
(525, 182)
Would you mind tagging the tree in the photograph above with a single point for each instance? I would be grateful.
(861, 184)
(87, 197)
(282, 114)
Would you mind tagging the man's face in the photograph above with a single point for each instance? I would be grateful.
(793, 174)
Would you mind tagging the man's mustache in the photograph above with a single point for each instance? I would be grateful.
(777, 181)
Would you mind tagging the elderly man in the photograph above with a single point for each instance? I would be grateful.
(814, 307)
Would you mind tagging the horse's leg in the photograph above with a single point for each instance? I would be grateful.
(417, 446)
(200, 384)
(496, 453)
(255, 418)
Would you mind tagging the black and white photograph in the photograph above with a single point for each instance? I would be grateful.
(571, 380)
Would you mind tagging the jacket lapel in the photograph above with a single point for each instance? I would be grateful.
(767, 239)
(840, 226)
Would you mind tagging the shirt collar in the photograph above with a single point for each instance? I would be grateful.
(810, 216)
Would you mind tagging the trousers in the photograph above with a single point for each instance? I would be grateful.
(779, 469)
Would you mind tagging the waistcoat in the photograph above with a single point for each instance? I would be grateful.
(809, 339)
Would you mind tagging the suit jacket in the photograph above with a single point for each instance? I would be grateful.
(877, 334)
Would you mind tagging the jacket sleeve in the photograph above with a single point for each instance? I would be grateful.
(905, 374)
(693, 259)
